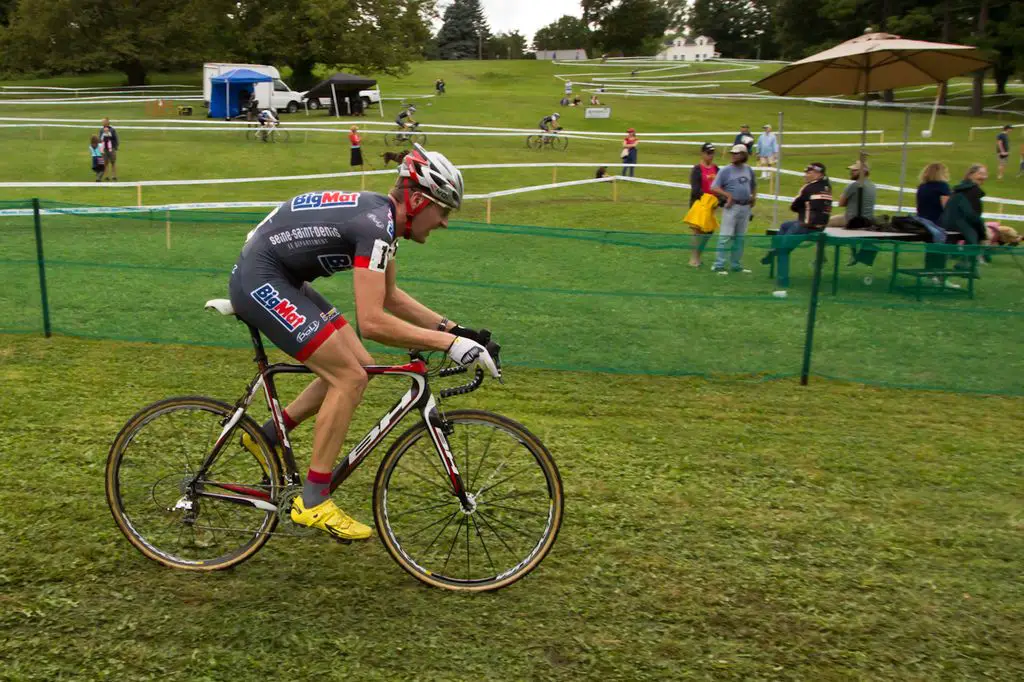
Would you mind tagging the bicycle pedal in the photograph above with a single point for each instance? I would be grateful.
(342, 541)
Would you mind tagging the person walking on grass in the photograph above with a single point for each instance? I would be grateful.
(629, 153)
(1003, 148)
(767, 151)
(97, 157)
(702, 177)
(356, 143)
(110, 145)
(736, 189)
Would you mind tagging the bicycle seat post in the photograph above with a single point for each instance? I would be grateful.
(257, 344)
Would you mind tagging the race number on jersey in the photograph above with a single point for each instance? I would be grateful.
(381, 255)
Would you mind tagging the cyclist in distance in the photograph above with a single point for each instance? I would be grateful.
(405, 121)
(549, 123)
(318, 234)
(268, 121)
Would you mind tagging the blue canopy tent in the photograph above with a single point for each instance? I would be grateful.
(225, 90)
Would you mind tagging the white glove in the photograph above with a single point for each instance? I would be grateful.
(467, 352)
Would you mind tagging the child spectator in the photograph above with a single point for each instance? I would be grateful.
(98, 164)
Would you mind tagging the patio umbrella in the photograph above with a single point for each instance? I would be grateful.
(873, 62)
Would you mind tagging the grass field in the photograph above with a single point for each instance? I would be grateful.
(726, 526)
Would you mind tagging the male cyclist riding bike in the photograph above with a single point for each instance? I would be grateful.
(268, 121)
(316, 235)
(549, 123)
(405, 119)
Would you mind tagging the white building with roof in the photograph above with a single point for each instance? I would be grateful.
(696, 49)
(562, 55)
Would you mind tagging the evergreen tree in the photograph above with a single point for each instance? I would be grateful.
(464, 32)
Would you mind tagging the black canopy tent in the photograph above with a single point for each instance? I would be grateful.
(339, 87)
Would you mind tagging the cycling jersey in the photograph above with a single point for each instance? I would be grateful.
(312, 235)
(547, 121)
(401, 118)
(267, 116)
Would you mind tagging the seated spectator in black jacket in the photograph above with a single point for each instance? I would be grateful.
(813, 206)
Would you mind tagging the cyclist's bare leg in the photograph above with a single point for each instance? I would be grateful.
(307, 403)
(341, 370)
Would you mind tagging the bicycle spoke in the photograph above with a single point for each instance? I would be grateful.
(446, 519)
(496, 533)
(527, 493)
(517, 509)
(403, 491)
(487, 449)
(476, 527)
(426, 480)
(469, 571)
(502, 465)
(506, 479)
(512, 528)
(422, 509)
(431, 456)
(455, 539)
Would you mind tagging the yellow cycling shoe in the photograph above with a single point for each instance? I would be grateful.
(326, 516)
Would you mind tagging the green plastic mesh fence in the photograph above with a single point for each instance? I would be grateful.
(576, 299)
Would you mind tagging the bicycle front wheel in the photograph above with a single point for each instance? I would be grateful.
(418, 138)
(278, 135)
(559, 143)
(158, 501)
(516, 504)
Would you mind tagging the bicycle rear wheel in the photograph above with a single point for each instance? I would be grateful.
(391, 140)
(157, 501)
(534, 141)
(516, 496)
(251, 133)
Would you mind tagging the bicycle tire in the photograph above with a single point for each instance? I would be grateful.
(390, 140)
(250, 133)
(559, 143)
(392, 495)
(278, 135)
(534, 141)
(418, 138)
(134, 461)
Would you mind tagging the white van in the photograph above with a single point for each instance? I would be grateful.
(275, 94)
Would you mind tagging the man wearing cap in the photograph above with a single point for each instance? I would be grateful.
(812, 206)
(744, 138)
(767, 150)
(858, 198)
(736, 188)
(1003, 147)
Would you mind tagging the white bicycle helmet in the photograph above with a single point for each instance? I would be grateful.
(433, 174)
(556, 116)
(412, 107)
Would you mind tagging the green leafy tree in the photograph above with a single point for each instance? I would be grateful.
(132, 36)
(464, 32)
(367, 36)
(566, 33)
(634, 27)
(506, 46)
(741, 28)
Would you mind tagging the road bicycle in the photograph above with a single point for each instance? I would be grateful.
(265, 134)
(399, 139)
(464, 500)
(550, 140)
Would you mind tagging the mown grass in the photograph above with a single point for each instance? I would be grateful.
(724, 530)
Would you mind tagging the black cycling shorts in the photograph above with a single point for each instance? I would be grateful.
(293, 315)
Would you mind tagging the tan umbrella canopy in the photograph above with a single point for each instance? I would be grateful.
(873, 62)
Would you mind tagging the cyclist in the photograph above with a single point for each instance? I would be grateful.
(268, 121)
(549, 123)
(405, 121)
(316, 235)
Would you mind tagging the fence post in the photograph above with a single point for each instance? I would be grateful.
(812, 311)
(42, 267)
(167, 224)
(554, 175)
(138, 195)
(970, 135)
(362, 181)
(615, 190)
(488, 210)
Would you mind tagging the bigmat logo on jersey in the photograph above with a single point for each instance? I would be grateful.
(282, 309)
(313, 200)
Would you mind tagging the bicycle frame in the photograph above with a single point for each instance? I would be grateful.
(417, 397)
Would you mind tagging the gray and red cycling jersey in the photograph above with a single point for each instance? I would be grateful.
(313, 235)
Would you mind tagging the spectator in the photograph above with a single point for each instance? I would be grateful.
(1003, 147)
(439, 86)
(110, 144)
(932, 195)
(594, 101)
(568, 88)
(97, 157)
(858, 198)
(767, 151)
(564, 101)
(602, 172)
(244, 96)
(744, 138)
(702, 177)
(629, 153)
(357, 152)
(963, 210)
(812, 206)
(576, 101)
(737, 186)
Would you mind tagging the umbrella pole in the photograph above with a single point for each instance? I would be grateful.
(903, 164)
(337, 104)
(863, 142)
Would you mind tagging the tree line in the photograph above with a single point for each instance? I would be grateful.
(138, 37)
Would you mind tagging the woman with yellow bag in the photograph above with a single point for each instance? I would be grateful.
(701, 216)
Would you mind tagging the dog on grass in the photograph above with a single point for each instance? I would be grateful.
(394, 156)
